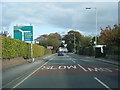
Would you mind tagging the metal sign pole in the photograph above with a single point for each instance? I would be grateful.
(32, 52)
(26, 33)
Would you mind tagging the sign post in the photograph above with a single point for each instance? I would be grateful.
(24, 33)
(32, 53)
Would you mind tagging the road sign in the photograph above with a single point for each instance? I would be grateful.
(17, 34)
(49, 47)
(24, 33)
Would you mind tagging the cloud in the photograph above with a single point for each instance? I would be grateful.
(60, 0)
(60, 15)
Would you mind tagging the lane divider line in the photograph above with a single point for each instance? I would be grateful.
(31, 74)
(82, 67)
(102, 83)
(73, 61)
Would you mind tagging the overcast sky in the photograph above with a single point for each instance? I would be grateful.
(50, 17)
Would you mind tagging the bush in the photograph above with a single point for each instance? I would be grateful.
(12, 48)
(113, 52)
(86, 51)
(38, 50)
(0, 47)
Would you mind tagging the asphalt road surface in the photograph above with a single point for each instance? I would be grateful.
(72, 71)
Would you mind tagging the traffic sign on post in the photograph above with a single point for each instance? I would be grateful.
(24, 33)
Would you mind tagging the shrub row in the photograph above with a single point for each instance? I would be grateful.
(86, 51)
(0, 47)
(110, 52)
(12, 48)
(113, 52)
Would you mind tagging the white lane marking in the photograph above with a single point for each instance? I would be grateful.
(117, 69)
(31, 74)
(99, 69)
(86, 60)
(87, 57)
(59, 67)
(73, 61)
(51, 59)
(82, 67)
(66, 56)
(102, 83)
(48, 57)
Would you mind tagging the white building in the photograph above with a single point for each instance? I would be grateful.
(63, 49)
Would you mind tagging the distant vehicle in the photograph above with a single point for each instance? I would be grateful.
(60, 53)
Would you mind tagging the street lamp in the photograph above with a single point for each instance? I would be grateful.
(96, 23)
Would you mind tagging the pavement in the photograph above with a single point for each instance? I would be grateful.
(25, 62)
(109, 61)
(18, 71)
(106, 61)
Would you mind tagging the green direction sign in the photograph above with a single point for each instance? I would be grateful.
(17, 34)
(24, 33)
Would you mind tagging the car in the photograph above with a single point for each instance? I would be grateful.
(60, 53)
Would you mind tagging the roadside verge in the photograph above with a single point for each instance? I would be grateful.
(12, 63)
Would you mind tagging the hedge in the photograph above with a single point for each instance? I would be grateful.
(12, 48)
(38, 50)
(113, 53)
(0, 47)
(110, 52)
(86, 51)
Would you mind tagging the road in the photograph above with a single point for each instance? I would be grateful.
(72, 71)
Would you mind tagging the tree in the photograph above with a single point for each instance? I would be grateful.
(5, 33)
(54, 35)
(53, 39)
(41, 37)
(85, 41)
(72, 39)
(110, 36)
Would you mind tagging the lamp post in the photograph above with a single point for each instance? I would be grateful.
(96, 23)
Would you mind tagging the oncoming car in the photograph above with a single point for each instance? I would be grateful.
(60, 53)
